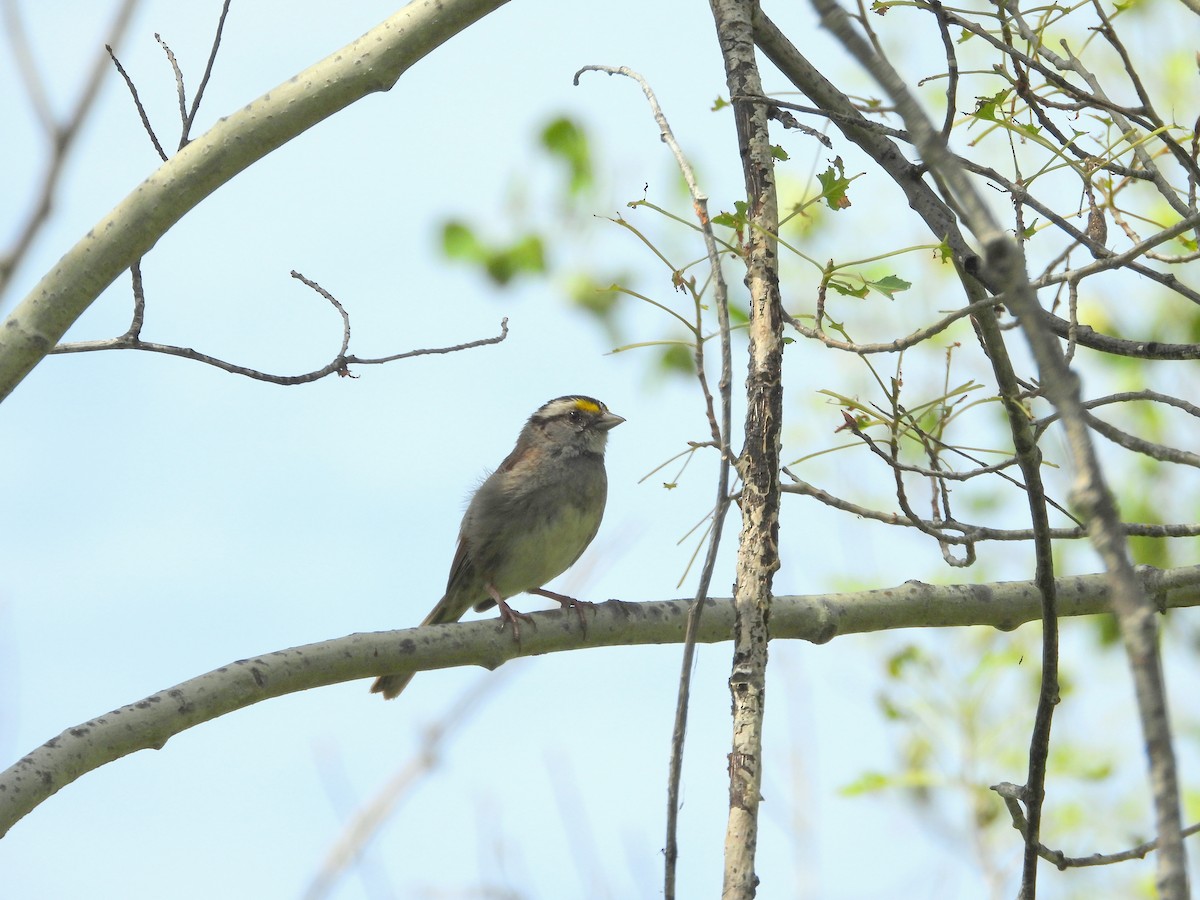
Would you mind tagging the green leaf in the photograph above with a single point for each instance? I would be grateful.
(526, 255)
(501, 264)
(988, 107)
(735, 220)
(847, 291)
(719, 103)
(900, 660)
(890, 285)
(868, 783)
(678, 358)
(459, 242)
(779, 153)
(587, 294)
(834, 184)
(566, 140)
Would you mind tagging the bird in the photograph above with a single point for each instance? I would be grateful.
(530, 520)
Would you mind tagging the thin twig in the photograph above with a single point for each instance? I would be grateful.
(180, 90)
(1011, 793)
(966, 532)
(721, 437)
(60, 134)
(190, 119)
(339, 365)
(137, 102)
(1004, 266)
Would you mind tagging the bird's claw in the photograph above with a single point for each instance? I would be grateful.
(509, 616)
(568, 603)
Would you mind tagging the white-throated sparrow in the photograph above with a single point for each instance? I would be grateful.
(530, 520)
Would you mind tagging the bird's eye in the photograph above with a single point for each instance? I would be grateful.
(575, 416)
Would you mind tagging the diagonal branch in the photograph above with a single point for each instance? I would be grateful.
(1004, 267)
(372, 63)
(62, 134)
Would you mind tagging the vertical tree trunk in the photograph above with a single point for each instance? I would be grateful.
(758, 554)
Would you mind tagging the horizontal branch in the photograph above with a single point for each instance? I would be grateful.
(132, 340)
(952, 531)
(340, 364)
(149, 723)
(1011, 795)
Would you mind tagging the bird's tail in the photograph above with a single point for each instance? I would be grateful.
(391, 685)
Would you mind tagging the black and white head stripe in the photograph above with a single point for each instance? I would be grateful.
(575, 403)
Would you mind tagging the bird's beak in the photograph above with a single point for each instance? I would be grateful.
(608, 421)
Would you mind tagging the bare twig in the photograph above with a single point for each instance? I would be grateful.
(137, 102)
(60, 134)
(180, 90)
(371, 63)
(721, 438)
(1011, 794)
(340, 364)
(955, 532)
(190, 118)
(1004, 266)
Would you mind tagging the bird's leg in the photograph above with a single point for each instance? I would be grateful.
(567, 603)
(508, 615)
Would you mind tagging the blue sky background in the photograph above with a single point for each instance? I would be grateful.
(166, 518)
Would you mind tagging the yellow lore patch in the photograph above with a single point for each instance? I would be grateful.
(585, 405)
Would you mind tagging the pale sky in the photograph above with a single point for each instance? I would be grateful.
(167, 518)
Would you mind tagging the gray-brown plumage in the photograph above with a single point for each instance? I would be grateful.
(531, 519)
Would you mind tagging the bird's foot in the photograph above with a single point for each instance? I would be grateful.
(568, 603)
(509, 616)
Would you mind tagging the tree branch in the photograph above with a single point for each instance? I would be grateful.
(340, 364)
(720, 431)
(61, 135)
(1011, 795)
(1004, 268)
(149, 723)
(372, 63)
(759, 463)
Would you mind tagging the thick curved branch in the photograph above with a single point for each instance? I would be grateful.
(372, 63)
(149, 723)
